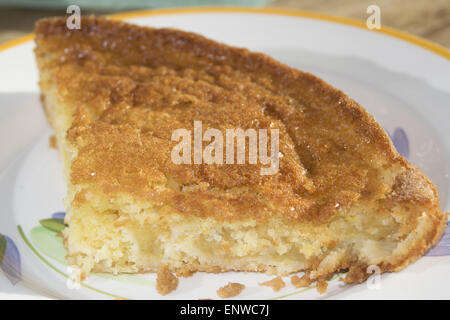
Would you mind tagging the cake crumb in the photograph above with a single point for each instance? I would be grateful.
(232, 289)
(304, 281)
(322, 286)
(276, 283)
(52, 142)
(166, 281)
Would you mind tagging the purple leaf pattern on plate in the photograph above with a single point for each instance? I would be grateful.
(2, 247)
(443, 247)
(10, 261)
(59, 215)
(401, 143)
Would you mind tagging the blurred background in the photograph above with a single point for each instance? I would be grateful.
(429, 19)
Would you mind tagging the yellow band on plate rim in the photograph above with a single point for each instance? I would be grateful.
(438, 49)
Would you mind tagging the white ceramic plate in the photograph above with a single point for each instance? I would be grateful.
(405, 85)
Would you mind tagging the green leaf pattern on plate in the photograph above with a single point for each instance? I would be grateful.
(49, 243)
(56, 225)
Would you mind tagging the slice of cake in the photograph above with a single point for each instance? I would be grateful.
(341, 197)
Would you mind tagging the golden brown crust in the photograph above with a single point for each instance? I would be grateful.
(129, 87)
(125, 94)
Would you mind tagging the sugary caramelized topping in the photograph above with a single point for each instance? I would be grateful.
(128, 88)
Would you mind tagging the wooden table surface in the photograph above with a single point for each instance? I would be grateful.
(429, 19)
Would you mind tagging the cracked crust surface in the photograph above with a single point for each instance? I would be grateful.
(126, 88)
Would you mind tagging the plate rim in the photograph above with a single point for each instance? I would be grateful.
(388, 31)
